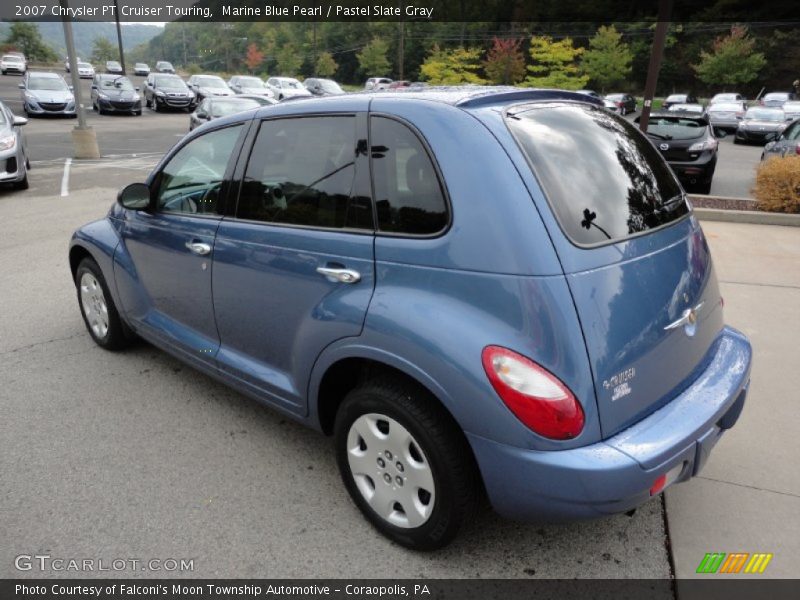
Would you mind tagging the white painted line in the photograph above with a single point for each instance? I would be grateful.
(65, 178)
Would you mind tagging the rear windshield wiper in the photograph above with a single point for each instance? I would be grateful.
(661, 136)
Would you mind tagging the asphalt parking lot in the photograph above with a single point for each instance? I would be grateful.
(134, 455)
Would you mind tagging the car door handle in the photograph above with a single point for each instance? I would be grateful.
(340, 275)
(200, 248)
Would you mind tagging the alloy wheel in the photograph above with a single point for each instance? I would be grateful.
(93, 302)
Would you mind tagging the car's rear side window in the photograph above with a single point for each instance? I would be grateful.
(408, 194)
(302, 172)
(603, 179)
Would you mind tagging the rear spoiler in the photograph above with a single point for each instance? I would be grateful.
(693, 116)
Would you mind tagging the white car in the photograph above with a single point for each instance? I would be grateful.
(376, 84)
(209, 86)
(286, 87)
(85, 70)
(11, 63)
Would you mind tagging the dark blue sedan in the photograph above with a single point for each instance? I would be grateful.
(474, 291)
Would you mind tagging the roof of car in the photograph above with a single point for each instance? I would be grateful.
(43, 74)
(467, 96)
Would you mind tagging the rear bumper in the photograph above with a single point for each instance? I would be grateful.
(700, 170)
(616, 475)
(757, 137)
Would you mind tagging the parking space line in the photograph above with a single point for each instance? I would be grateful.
(65, 178)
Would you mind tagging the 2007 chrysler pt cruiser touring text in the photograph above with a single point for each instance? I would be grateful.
(474, 290)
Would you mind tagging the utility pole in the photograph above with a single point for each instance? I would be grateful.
(656, 54)
(119, 39)
(400, 44)
(314, 71)
(84, 140)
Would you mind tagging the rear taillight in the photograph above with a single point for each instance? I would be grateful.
(535, 396)
(797, 149)
(659, 485)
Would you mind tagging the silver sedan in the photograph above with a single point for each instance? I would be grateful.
(13, 155)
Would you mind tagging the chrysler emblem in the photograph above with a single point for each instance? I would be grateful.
(663, 146)
(688, 320)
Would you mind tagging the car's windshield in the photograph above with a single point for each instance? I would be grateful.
(614, 97)
(118, 83)
(330, 86)
(686, 108)
(724, 97)
(140, 66)
(764, 114)
(12, 59)
(776, 96)
(170, 81)
(113, 63)
(53, 84)
(675, 128)
(251, 82)
(725, 107)
(222, 108)
(603, 179)
(165, 65)
(210, 82)
(84, 66)
(291, 84)
(676, 98)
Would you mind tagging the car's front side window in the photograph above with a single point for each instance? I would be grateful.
(192, 179)
(302, 171)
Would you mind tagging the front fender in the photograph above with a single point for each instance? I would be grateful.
(99, 239)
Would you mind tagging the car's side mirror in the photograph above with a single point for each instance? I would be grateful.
(137, 88)
(20, 121)
(201, 114)
(720, 133)
(94, 87)
(135, 196)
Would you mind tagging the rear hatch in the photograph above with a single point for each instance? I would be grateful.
(635, 259)
(678, 136)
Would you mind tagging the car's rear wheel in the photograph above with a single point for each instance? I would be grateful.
(97, 308)
(405, 463)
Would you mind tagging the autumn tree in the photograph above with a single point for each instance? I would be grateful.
(372, 58)
(26, 38)
(731, 60)
(103, 50)
(505, 62)
(254, 57)
(554, 64)
(451, 67)
(607, 62)
(326, 66)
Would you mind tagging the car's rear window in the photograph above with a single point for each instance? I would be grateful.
(603, 179)
(675, 128)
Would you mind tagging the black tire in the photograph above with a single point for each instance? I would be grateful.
(118, 335)
(704, 188)
(736, 140)
(23, 184)
(454, 473)
(94, 107)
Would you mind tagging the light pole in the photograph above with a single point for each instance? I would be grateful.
(84, 141)
(119, 39)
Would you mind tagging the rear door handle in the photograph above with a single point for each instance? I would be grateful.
(339, 275)
(200, 248)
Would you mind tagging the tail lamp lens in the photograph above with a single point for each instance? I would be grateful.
(535, 396)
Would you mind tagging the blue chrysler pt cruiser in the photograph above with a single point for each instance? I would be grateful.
(475, 291)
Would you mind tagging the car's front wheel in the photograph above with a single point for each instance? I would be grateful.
(405, 463)
(97, 308)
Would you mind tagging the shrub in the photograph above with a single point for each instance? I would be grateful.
(777, 186)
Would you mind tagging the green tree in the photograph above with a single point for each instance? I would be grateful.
(103, 50)
(505, 62)
(608, 60)
(448, 67)
(731, 61)
(554, 64)
(326, 66)
(288, 60)
(372, 58)
(26, 38)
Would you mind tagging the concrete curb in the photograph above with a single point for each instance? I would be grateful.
(747, 216)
